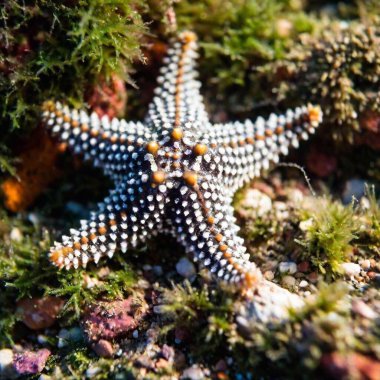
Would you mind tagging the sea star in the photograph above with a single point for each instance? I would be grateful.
(175, 172)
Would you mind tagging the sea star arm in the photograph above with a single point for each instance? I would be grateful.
(203, 222)
(177, 101)
(106, 142)
(246, 148)
(126, 217)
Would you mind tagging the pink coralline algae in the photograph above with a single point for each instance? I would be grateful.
(30, 362)
(110, 320)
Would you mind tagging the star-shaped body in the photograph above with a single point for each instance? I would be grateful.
(175, 172)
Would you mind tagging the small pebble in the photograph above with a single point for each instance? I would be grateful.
(103, 348)
(269, 275)
(303, 284)
(90, 282)
(16, 234)
(168, 353)
(92, 371)
(185, 267)
(288, 267)
(158, 309)
(365, 264)
(152, 334)
(364, 203)
(313, 277)
(162, 363)
(361, 308)
(6, 360)
(42, 339)
(34, 218)
(258, 201)
(192, 373)
(288, 281)
(145, 361)
(303, 267)
(45, 377)
(371, 275)
(350, 269)
(39, 313)
(284, 28)
(295, 195)
(135, 334)
(281, 210)
(305, 224)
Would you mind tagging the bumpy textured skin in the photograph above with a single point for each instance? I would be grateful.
(174, 173)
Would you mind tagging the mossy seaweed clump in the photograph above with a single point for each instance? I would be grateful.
(342, 73)
(56, 50)
(329, 235)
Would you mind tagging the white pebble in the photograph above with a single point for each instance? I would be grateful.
(258, 201)
(288, 281)
(305, 224)
(365, 264)
(6, 360)
(350, 269)
(16, 234)
(288, 267)
(362, 309)
(295, 195)
(158, 309)
(269, 275)
(303, 284)
(92, 371)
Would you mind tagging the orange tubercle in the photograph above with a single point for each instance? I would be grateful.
(55, 257)
(48, 106)
(219, 237)
(158, 176)
(152, 147)
(191, 178)
(200, 149)
(314, 113)
(177, 134)
(223, 247)
(210, 220)
(188, 37)
(250, 279)
(102, 230)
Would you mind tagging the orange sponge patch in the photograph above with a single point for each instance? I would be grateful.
(37, 169)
